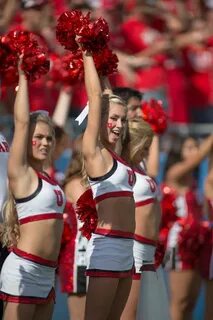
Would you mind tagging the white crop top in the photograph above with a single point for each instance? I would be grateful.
(118, 182)
(145, 188)
(47, 202)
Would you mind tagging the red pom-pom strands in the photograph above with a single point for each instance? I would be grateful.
(106, 62)
(92, 35)
(66, 30)
(8, 64)
(66, 69)
(34, 62)
(154, 114)
(86, 212)
(168, 207)
(191, 240)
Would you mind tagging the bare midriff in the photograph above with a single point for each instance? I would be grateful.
(148, 220)
(117, 214)
(41, 238)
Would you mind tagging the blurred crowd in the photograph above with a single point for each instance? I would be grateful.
(165, 50)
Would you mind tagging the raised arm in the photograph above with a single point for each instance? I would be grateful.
(17, 164)
(94, 93)
(61, 111)
(106, 86)
(177, 171)
(152, 163)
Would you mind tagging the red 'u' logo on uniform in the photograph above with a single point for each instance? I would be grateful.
(152, 184)
(59, 197)
(131, 179)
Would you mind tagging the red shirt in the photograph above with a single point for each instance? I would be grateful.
(139, 36)
(198, 67)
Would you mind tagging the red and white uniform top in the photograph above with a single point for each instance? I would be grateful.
(145, 189)
(47, 202)
(4, 153)
(188, 206)
(118, 182)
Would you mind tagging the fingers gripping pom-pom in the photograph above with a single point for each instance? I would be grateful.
(68, 24)
(154, 114)
(34, 62)
(92, 35)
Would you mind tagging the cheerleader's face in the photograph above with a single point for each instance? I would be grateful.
(41, 140)
(114, 123)
(189, 148)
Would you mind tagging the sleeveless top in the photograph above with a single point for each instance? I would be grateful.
(47, 202)
(145, 189)
(118, 182)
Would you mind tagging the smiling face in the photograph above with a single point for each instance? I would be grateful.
(113, 124)
(41, 142)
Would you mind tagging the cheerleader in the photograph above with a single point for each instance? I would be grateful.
(183, 246)
(72, 262)
(110, 249)
(33, 228)
(153, 301)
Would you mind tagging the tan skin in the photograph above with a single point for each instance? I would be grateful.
(76, 303)
(106, 297)
(208, 190)
(147, 225)
(185, 284)
(40, 238)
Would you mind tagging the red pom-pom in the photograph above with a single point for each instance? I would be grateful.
(20, 40)
(34, 62)
(94, 36)
(155, 115)
(67, 69)
(68, 24)
(106, 62)
(191, 239)
(8, 65)
(86, 211)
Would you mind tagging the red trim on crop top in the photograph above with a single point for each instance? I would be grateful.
(113, 195)
(43, 216)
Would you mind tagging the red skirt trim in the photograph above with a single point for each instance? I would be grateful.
(109, 274)
(136, 276)
(27, 300)
(34, 258)
(145, 240)
(43, 216)
(114, 233)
